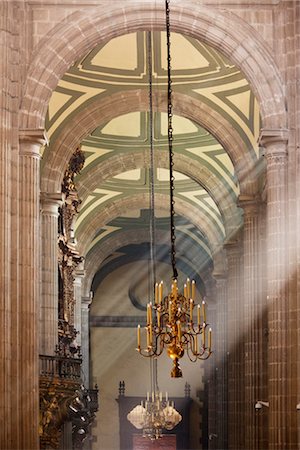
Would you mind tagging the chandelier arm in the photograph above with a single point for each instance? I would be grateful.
(170, 142)
(191, 355)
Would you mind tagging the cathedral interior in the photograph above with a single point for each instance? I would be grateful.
(149, 140)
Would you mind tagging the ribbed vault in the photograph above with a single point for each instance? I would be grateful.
(102, 104)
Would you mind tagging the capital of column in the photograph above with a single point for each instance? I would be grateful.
(80, 272)
(275, 142)
(31, 142)
(249, 203)
(220, 276)
(86, 302)
(233, 247)
(51, 202)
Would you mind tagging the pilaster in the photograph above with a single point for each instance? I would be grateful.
(79, 275)
(275, 144)
(235, 346)
(252, 318)
(85, 338)
(49, 296)
(29, 257)
(221, 361)
(8, 328)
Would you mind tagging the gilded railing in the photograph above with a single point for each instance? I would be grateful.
(58, 366)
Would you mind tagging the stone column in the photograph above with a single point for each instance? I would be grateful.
(210, 366)
(221, 361)
(235, 346)
(85, 339)
(263, 419)
(11, 69)
(275, 143)
(29, 298)
(49, 298)
(253, 319)
(78, 275)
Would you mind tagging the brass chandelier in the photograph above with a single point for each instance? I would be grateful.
(174, 320)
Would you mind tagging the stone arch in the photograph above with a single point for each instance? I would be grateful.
(69, 41)
(182, 163)
(99, 253)
(116, 208)
(86, 120)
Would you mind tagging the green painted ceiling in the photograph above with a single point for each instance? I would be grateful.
(198, 71)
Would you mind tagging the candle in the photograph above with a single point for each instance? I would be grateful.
(196, 344)
(198, 315)
(160, 291)
(203, 311)
(179, 330)
(191, 309)
(158, 318)
(167, 397)
(170, 310)
(193, 289)
(209, 339)
(148, 336)
(203, 336)
(184, 290)
(156, 293)
(150, 313)
(148, 396)
(188, 287)
(174, 288)
(139, 336)
(160, 396)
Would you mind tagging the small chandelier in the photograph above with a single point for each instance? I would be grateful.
(170, 320)
(153, 415)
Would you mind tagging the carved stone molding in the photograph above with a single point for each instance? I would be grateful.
(31, 142)
(51, 202)
(55, 396)
(275, 143)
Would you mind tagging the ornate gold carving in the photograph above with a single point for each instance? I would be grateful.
(55, 396)
(68, 256)
(75, 166)
(62, 395)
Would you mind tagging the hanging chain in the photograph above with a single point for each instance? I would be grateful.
(170, 141)
(153, 362)
(151, 172)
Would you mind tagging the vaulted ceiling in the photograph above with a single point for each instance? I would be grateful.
(114, 184)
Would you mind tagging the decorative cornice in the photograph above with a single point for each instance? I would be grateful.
(219, 276)
(249, 203)
(270, 136)
(30, 142)
(51, 202)
(79, 272)
(33, 136)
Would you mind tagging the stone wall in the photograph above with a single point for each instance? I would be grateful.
(39, 41)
